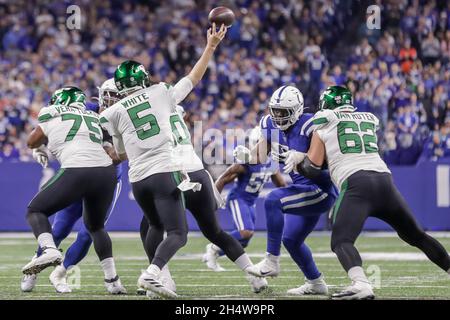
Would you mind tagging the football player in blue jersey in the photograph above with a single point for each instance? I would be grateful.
(66, 218)
(249, 181)
(291, 212)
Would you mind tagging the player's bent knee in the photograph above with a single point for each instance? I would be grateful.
(272, 199)
(288, 242)
(179, 237)
(246, 234)
(85, 237)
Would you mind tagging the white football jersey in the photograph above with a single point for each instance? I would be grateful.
(74, 136)
(141, 122)
(350, 142)
(184, 153)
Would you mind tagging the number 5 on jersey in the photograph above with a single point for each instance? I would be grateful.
(139, 121)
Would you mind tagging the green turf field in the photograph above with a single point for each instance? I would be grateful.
(401, 272)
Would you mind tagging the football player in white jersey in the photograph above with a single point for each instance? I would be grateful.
(141, 127)
(73, 135)
(202, 203)
(66, 218)
(347, 141)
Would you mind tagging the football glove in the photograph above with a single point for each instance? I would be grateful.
(41, 156)
(242, 154)
(292, 159)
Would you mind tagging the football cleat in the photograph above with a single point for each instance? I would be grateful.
(268, 267)
(311, 287)
(28, 282)
(151, 282)
(114, 286)
(166, 279)
(357, 291)
(210, 258)
(59, 281)
(49, 257)
(258, 284)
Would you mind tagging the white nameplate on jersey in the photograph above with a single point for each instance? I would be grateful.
(186, 185)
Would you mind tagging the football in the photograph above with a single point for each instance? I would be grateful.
(221, 15)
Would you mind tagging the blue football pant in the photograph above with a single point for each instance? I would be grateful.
(291, 214)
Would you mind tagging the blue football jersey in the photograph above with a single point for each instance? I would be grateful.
(296, 137)
(249, 184)
(95, 107)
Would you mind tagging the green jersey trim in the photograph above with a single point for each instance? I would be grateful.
(339, 200)
(53, 179)
(320, 121)
(44, 118)
(177, 178)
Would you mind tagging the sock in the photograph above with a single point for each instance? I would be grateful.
(357, 274)
(46, 240)
(165, 272)
(275, 224)
(272, 257)
(317, 280)
(237, 235)
(153, 269)
(243, 262)
(61, 270)
(109, 268)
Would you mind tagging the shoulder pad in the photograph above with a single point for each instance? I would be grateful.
(265, 122)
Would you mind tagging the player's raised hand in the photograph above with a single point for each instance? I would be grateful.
(214, 36)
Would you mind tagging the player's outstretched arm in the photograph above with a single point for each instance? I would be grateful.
(214, 37)
(183, 87)
(229, 175)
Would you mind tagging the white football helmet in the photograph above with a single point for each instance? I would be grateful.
(286, 106)
(108, 94)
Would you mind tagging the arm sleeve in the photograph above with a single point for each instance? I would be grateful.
(182, 89)
(106, 122)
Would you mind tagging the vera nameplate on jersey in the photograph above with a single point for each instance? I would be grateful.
(187, 185)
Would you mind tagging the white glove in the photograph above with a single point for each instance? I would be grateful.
(40, 155)
(242, 154)
(187, 185)
(293, 158)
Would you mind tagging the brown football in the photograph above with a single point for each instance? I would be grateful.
(221, 15)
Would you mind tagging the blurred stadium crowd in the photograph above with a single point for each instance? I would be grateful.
(401, 72)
